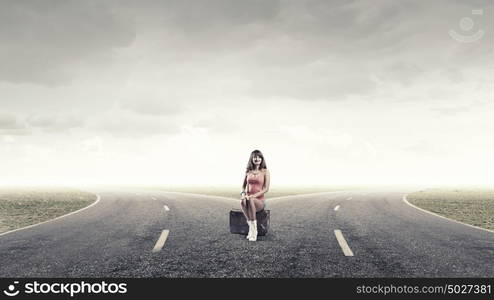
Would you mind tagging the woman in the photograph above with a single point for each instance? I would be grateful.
(256, 184)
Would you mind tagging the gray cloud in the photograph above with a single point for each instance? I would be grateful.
(216, 124)
(404, 72)
(312, 49)
(152, 105)
(12, 125)
(8, 121)
(45, 41)
(307, 50)
(134, 126)
(152, 79)
(199, 17)
(320, 81)
(54, 123)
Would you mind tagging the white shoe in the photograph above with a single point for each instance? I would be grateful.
(250, 230)
(253, 237)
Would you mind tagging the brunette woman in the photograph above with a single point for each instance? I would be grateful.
(256, 184)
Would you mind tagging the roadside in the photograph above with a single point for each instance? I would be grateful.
(470, 206)
(20, 207)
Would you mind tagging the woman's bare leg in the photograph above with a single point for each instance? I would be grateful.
(252, 208)
(259, 205)
(246, 210)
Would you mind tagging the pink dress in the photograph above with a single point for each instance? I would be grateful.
(255, 184)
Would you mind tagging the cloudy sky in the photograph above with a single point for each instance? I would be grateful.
(180, 92)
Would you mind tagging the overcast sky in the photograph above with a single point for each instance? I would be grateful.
(180, 92)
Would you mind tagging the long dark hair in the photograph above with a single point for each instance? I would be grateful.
(250, 164)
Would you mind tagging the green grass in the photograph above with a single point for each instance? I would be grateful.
(471, 206)
(20, 207)
(234, 191)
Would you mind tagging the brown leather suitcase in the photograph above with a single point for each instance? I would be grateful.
(238, 223)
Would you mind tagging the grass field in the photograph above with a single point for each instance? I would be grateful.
(471, 206)
(27, 206)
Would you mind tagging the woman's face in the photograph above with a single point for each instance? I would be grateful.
(257, 160)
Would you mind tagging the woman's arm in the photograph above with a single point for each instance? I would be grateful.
(265, 188)
(243, 193)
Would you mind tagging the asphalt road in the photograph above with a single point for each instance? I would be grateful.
(115, 238)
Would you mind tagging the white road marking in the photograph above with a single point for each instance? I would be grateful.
(98, 198)
(349, 198)
(336, 208)
(434, 214)
(343, 244)
(166, 208)
(154, 198)
(161, 241)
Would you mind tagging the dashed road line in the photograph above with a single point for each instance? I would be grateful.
(343, 244)
(154, 198)
(349, 198)
(161, 241)
(336, 208)
(166, 208)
